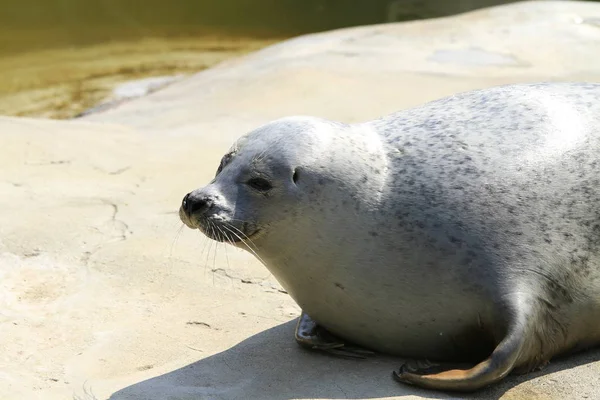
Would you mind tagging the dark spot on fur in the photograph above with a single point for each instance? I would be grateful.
(454, 239)
(374, 234)
(339, 285)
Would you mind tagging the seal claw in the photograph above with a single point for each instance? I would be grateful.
(401, 376)
(314, 337)
(410, 372)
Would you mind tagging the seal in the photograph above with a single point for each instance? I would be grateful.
(464, 231)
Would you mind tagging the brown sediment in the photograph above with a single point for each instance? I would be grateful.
(61, 83)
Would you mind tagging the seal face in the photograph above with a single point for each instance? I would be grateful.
(467, 229)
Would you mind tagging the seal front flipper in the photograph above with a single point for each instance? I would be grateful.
(311, 336)
(494, 368)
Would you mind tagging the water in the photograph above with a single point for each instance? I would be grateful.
(58, 58)
(40, 24)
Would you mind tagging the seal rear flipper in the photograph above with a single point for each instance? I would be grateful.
(314, 337)
(491, 370)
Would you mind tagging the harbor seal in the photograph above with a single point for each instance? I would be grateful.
(463, 230)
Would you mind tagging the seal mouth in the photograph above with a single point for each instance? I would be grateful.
(228, 233)
(218, 229)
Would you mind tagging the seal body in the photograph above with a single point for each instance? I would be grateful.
(466, 229)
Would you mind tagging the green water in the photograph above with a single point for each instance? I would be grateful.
(36, 24)
(61, 57)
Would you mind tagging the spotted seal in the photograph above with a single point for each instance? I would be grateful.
(466, 230)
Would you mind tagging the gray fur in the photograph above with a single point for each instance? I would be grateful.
(441, 232)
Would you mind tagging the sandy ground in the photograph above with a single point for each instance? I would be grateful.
(104, 296)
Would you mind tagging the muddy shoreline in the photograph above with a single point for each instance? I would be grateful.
(65, 82)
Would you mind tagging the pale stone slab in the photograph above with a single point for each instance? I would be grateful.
(103, 295)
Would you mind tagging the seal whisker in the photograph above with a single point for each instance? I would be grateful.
(216, 249)
(232, 229)
(173, 242)
(210, 242)
(206, 241)
(261, 155)
(243, 241)
(229, 241)
(242, 233)
(214, 234)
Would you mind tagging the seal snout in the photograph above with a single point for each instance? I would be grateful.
(194, 208)
(196, 203)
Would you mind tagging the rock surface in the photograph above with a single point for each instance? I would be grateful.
(103, 295)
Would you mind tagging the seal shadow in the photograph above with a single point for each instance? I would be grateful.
(270, 365)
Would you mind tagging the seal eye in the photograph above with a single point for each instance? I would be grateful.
(260, 184)
(226, 158)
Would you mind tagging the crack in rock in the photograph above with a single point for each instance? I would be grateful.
(119, 225)
(198, 323)
(251, 281)
(115, 172)
(124, 228)
(53, 162)
(120, 170)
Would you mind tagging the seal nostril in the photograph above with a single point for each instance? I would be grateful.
(198, 206)
(194, 205)
(184, 201)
